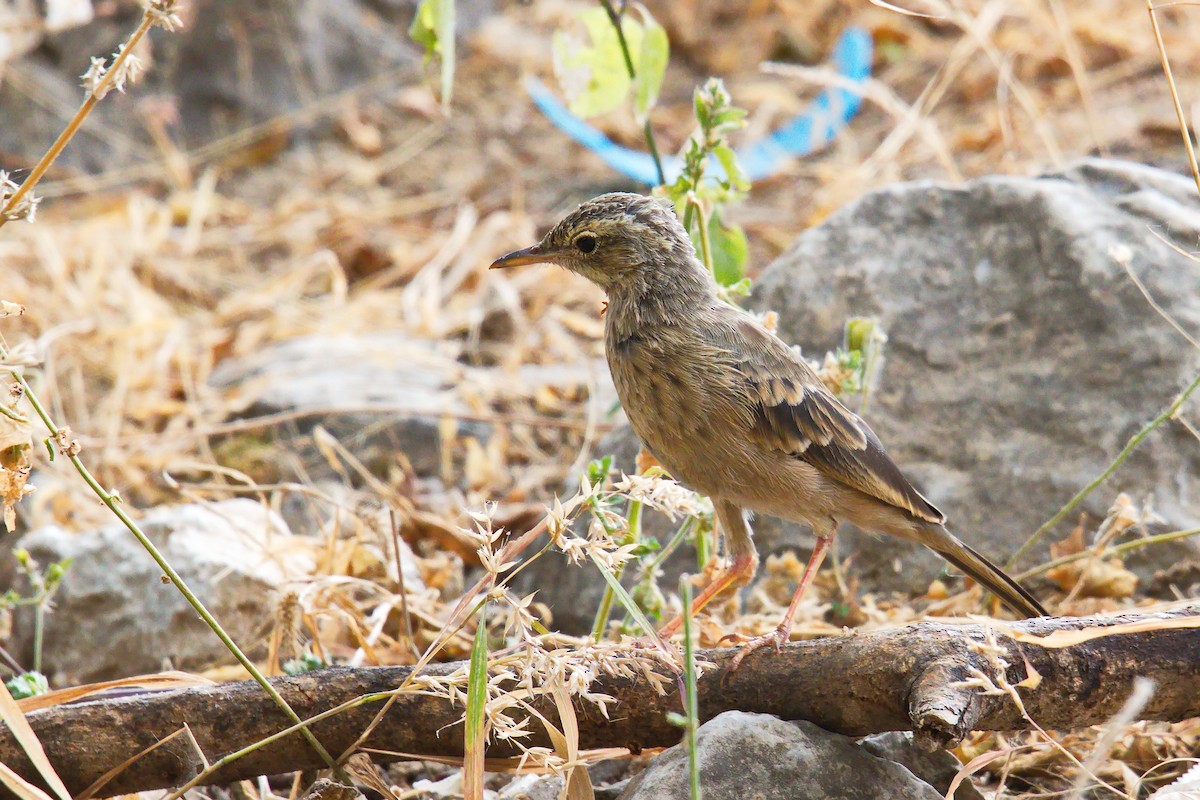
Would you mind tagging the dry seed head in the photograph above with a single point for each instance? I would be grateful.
(66, 445)
(663, 494)
(93, 79)
(26, 209)
(127, 69)
(163, 13)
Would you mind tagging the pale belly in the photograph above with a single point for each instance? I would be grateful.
(687, 417)
(688, 424)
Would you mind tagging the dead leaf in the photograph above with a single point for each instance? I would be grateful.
(1071, 545)
(1033, 678)
(1095, 578)
(1069, 638)
(16, 440)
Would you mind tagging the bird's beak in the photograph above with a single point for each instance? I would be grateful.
(530, 255)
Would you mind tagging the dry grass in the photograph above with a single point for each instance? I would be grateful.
(138, 290)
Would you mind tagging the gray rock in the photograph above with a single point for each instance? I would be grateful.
(115, 616)
(229, 67)
(379, 394)
(1021, 357)
(937, 768)
(532, 787)
(334, 381)
(759, 757)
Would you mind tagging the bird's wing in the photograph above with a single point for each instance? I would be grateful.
(792, 411)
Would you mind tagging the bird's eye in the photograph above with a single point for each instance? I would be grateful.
(585, 242)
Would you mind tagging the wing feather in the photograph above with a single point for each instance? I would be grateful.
(792, 411)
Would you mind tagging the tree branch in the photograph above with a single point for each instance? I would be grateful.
(901, 679)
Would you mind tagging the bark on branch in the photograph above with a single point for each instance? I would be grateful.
(902, 679)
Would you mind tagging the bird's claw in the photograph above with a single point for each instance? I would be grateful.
(776, 638)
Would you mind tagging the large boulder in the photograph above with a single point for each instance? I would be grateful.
(1021, 356)
(759, 757)
(381, 395)
(115, 615)
(229, 67)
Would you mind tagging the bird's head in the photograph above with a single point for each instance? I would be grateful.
(615, 240)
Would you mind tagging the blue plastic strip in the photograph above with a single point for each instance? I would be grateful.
(829, 113)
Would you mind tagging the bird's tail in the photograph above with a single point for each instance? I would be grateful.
(988, 575)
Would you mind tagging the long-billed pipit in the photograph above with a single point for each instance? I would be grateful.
(730, 410)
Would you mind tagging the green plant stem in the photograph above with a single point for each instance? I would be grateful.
(677, 539)
(690, 702)
(76, 121)
(614, 16)
(631, 607)
(652, 146)
(1119, 549)
(1132, 445)
(705, 243)
(702, 551)
(114, 506)
(633, 535)
(39, 632)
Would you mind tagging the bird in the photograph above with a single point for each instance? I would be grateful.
(733, 412)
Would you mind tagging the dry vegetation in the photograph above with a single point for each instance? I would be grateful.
(139, 283)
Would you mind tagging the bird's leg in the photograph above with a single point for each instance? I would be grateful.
(781, 634)
(731, 521)
(741, 570)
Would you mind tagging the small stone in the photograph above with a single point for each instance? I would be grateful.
(760, 757)
(937, 768)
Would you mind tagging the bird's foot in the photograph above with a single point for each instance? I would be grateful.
(775, 638)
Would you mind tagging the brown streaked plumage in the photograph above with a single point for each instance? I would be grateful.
(732, 411)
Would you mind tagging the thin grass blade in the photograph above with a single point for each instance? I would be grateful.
(476, 732)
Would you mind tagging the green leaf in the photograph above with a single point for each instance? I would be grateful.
(859, 332)
(433, 28)
(733, 170)
(631, 608)
(424, 28)
(593, 74)
(649, 598)
(740, 289)
(27, 684)
(474, 733)
(598, 470)
(305, 663)
(650, 66)
(852, 362)
(56, 572)
(730, 251)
